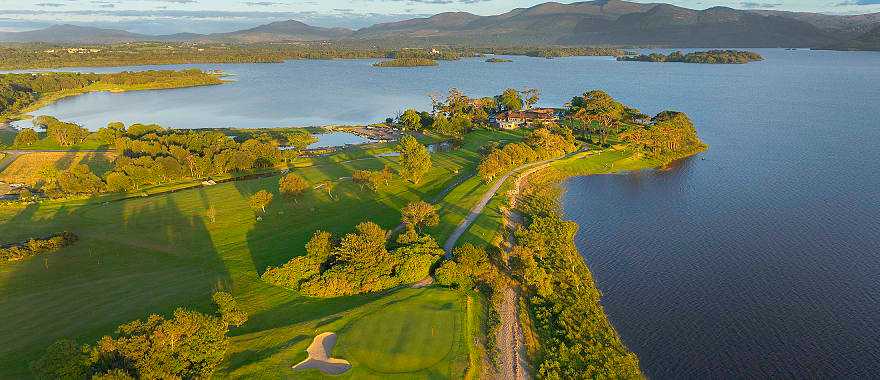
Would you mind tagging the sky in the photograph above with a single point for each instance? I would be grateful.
(208, 16)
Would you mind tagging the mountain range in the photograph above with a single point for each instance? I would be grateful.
(598, 22)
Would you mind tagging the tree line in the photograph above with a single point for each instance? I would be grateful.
(149, 154)
(577, 339)
(710, 57)
(42, 55)
(18, 91)
(542, 143)
(33, 247)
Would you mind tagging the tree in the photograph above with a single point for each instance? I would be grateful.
(410, 120)
(64, 359)
(26, 137)
(119, 182)
(228, 308)
(260, 200)
(510, 100)
(292, 185)
(420, 214)
(414, 158)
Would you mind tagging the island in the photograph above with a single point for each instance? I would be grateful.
(23, 93)
(407, 62)
(450, 233)
(707, 57)
(498, 60)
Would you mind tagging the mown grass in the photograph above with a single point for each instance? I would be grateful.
(151, 254)
(403, 333)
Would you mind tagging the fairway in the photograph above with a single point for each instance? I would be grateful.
(404, 337)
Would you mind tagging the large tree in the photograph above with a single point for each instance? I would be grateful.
(292, 185)
(410, 120)
(510, 100)
(260, 200)
(415, 161)
(416, 216)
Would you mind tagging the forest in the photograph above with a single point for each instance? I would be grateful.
(708, 57)
(40, 55)
(20, 91)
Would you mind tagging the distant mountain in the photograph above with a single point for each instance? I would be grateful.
(867, 41)
(668, 25)
(615, 22)
(72, 34)
(597, 22)
(283, 31)
(847, 26)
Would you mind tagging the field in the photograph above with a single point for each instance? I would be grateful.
(31, 168)
(152, 254)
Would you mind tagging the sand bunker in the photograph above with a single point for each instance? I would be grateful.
(319, 356)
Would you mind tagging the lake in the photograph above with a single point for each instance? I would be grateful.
(759, 258)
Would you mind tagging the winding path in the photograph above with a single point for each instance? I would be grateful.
(513, 363)
(478, 208)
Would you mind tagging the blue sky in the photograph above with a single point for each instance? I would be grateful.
(205, 16)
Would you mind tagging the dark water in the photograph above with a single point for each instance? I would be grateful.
(759, 258)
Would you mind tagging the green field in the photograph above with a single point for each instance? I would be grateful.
(151, 254)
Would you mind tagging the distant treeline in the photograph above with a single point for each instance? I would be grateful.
(33, 247)
(711, 56)
(407, 62)
(40, 55)
(18, 91)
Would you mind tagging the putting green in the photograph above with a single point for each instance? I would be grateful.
(404, 336)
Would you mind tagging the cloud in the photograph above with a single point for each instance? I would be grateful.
(858, 2)
(262, 3)
(755, 5)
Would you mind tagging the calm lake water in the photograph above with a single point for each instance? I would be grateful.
(759, 258)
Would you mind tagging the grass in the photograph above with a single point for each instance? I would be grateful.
(151, 254)
(30, 168)
(404, 333)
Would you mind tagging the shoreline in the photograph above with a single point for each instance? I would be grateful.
(552, 177)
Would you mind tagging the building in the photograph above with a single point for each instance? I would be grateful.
(527, 118)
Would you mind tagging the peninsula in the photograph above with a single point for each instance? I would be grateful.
(453, 233)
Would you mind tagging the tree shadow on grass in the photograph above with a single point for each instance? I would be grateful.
(246, 357)
(132, 259)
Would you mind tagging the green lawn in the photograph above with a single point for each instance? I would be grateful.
(405, 333)
(152, 254)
